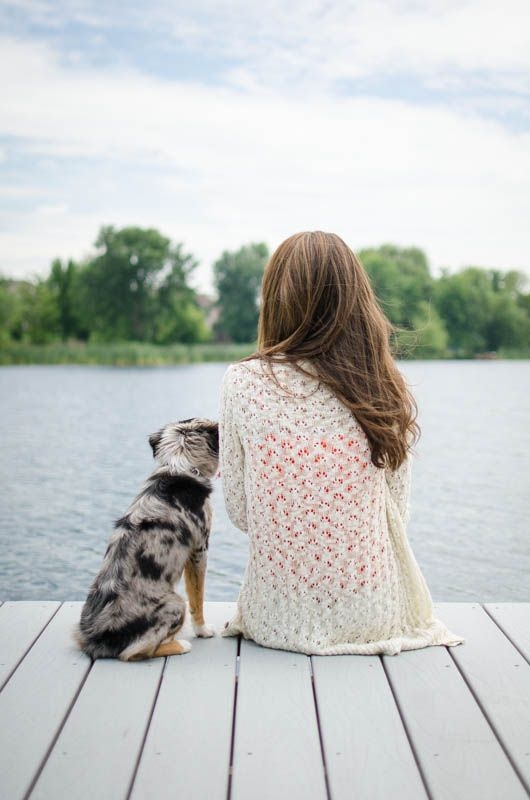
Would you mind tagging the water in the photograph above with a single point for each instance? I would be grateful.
(74, 451)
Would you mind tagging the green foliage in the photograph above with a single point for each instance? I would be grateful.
(482, 311)
(6, 311)
(178, 316)
(122, 354)
(136, 275)
(237, 278)
(136, 291)
(464, 300)
(468, 312)
(63, 281)
(181, 320)
(427, 338)
(29, 312)
(509, 322)
(401, 281)
(508, 325)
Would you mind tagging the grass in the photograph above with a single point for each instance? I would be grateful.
(139, 354)
(514, 352)
(121, 354)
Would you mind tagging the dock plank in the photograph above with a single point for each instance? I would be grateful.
(498, 675)
(36, 699)
(187, 750)
(447, 724)
(458, 751)
(514, 619)
(276, 745)
(96, 754)
(20, 624)
(362, 731)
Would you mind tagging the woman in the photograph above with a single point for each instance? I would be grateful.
(316, 430)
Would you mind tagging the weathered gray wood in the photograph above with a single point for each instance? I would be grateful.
(498, 675)
(187, 750)
(457, 750)
(20, 624)
(366, 747)
(36, 699)
(454, 705)
(97, 751)
(514, 619)
(276, 747)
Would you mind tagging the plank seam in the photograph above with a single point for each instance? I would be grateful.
(146, 732)
(233, 730)
(319, 728)
(512, 642)
(58, 733)
(406, 729)
(489, 721)
(32, 643)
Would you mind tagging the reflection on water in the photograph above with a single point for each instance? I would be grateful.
(74, 451)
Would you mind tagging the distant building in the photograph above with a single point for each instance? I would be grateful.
(210, 308)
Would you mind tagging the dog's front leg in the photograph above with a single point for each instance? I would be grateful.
(194, 576)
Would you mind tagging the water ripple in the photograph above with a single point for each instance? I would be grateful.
(74, 451)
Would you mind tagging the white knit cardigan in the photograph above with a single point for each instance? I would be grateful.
(330, 569)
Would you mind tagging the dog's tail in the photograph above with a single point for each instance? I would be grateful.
(78, 637)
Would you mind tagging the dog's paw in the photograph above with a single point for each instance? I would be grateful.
(204, 631)
(184, 644)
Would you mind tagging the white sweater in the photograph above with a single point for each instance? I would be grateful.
(330, 569)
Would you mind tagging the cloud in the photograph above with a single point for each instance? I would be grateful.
(318, 42)
(50, 210)
(222, 165)
(321, 43)
(10, 191)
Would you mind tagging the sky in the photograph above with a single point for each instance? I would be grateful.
(222, 123)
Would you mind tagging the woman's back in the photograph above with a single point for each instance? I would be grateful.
(330, 570)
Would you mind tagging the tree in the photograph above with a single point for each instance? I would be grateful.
(509, 322)
(33, 312)
(482, 309)
(63, 281)
(401, 281)
(179, 317)
(237, 278)
(137, 287)
(464, 300)
(6, 310)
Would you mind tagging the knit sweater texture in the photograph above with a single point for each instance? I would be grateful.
(330, 568)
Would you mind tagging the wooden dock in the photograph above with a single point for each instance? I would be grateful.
(234, 720)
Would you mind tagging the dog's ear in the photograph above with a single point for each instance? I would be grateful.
(213, 437)
(210, 431)
(154, 441)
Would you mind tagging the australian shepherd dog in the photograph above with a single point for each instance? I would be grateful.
(132, 611)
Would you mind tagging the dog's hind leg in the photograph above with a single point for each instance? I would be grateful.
(167, 620)
(141, 650)
(173, 648)
(194, 577)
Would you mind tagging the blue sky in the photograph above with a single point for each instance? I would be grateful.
(222, 123)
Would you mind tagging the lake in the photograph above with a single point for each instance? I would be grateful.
(74, 451)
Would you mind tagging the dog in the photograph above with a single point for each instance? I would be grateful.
(132, 611)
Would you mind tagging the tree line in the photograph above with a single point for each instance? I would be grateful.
(136, 287)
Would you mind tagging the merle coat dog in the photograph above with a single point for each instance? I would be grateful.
(132, 611)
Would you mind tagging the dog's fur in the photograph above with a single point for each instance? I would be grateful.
(132, 611)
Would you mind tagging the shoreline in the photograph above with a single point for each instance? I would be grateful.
(136, 354)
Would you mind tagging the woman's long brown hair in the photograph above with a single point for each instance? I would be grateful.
(318, 304)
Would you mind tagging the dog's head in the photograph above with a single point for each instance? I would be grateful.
(188, 446)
